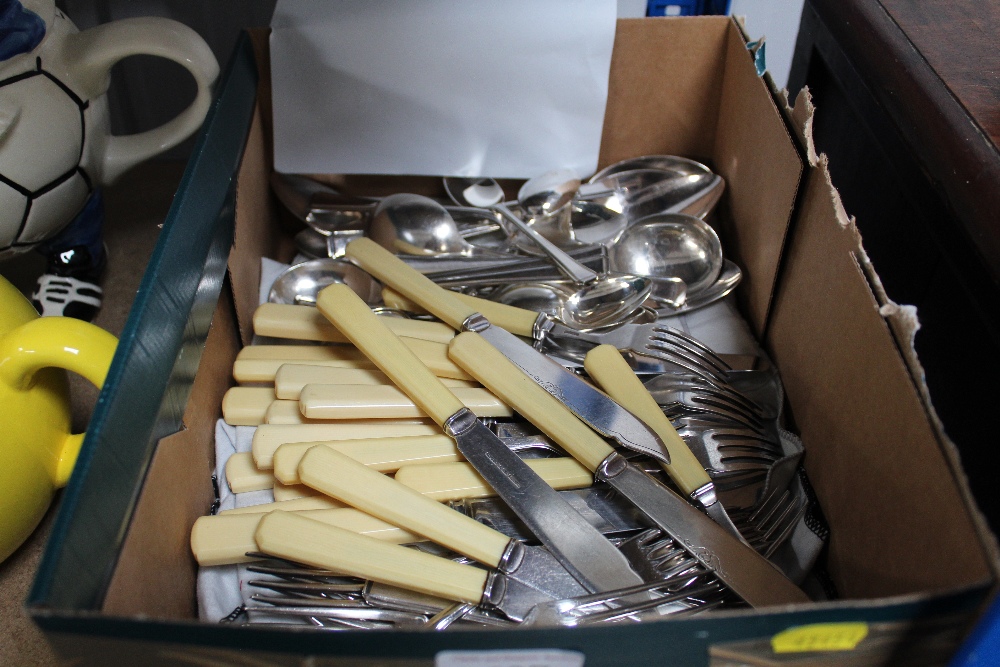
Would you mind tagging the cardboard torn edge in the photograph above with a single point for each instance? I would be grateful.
(902, 319)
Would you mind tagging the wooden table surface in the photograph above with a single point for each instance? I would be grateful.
(934, 66)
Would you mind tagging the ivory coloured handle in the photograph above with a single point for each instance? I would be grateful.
(307, 541)
(317, 502)
(385, 455)
(281, 320)
(225, 539)
(385, 401)
(268, 437)
(242, 474)
(609, 369)
(455, 481)
(291, 378)
(343, 478)
(519, 321)
(342, 306)
(433, 355)
(394, 272)
(246, 406)
(473, 353)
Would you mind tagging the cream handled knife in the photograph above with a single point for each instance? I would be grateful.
(587, 554)
(741, 568)
(605, 364)
(345, 479)
(281, 320)
(310, 542)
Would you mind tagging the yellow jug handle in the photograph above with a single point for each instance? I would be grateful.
(61, 342)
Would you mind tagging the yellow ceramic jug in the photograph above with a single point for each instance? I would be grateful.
(37, 450)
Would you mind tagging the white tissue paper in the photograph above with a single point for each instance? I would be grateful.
(440, 87)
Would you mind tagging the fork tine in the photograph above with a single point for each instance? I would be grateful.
(693, 344)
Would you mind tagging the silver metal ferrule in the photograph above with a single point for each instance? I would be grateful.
(459, 423)
(705, 495)
(542, 326)
(612, 466)
(512, 557)
(495, 589)
(476, 322)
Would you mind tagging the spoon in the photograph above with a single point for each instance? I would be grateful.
(611, 302)
(727, 281)
(679, 166)
(604, 208)
(670, 245)
(549, 193)
(299, 284)
(412, 224)
(474, 192)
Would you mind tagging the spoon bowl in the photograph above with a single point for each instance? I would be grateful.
(299, 284)
(548, 193)
(412, 224)
(474, 192)
(613, 300)
(674, 164)
(670, 245)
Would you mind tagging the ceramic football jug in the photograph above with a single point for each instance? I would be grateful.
(37, 450)
(55, 139)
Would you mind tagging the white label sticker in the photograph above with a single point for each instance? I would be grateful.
(520, 658)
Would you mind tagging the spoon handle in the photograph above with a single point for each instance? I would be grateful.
(573, 269)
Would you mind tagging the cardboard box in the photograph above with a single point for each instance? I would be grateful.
(908, 553)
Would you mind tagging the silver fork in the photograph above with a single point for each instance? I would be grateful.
(654, 340)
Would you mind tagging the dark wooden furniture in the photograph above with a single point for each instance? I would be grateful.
(908, 109)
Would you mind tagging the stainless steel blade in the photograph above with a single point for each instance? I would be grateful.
(580, 547)
(591, 405)
(742, 569)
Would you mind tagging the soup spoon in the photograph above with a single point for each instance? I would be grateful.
(670, 245)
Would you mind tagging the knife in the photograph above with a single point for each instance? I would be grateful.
(583, 551)
(588, 403)
(341, 477)
(742, 569)
(608, 368)
(304, 540)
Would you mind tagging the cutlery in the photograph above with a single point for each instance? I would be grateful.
(588, 403)
(741, 568)
(592, 559)
(353, 483)
(606, 366)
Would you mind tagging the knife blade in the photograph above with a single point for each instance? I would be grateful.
(583, 551)
(742, 569)
(585, 401)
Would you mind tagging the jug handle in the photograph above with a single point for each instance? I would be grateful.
(96, 50)
(60, 342)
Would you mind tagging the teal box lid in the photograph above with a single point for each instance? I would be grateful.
(144, 396)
